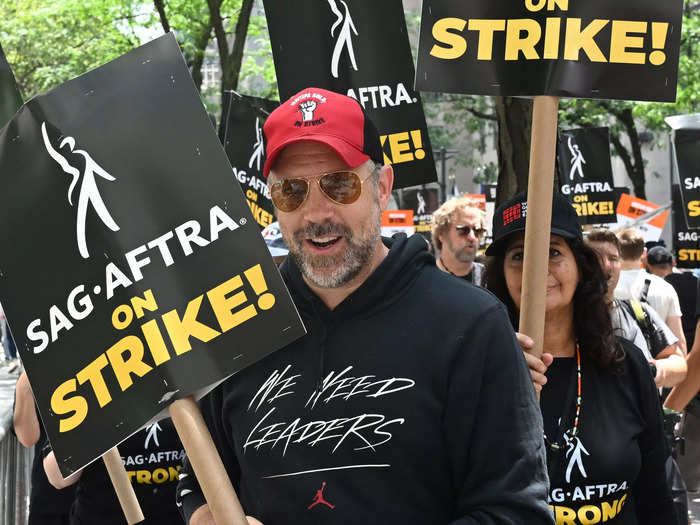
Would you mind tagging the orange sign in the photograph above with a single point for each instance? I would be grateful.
(397, 218)
(397, 221)
(632, 208)
(479, 198)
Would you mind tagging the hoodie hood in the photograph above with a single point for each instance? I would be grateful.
(392, 278)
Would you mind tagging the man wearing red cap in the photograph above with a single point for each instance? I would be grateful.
(408, 401)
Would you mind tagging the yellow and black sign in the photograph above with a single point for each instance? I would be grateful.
(686, 241)
(585, 174)
(145, 277)
(360, 49)
(687, 147)
(423, 202)
(242, 137)
(568, 48)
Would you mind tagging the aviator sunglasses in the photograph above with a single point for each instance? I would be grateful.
(341, 187)
(465, 230)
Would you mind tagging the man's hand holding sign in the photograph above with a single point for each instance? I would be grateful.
(161, 285)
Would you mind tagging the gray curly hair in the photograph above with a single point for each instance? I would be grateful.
(442, 218)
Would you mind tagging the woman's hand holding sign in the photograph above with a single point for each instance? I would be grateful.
(538, 367)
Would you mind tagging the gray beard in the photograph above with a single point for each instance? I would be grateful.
(334, 271)
(465, 255)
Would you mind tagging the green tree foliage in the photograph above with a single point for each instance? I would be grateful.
(48, 43)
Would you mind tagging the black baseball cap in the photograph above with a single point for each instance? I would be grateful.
(659, 256)
(510, 218)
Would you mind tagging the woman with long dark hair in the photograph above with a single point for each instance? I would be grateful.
(603, 426)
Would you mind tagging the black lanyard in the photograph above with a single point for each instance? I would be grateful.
(567, 414)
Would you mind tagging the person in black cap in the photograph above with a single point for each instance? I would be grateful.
(659, 261)
(603, 425)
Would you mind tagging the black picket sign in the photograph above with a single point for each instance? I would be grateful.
(687, 147)
(133, 273)
(423, 202)
(360, 49)
(686, 242)
(242, 136)
(626, 49)
(585, 174)
(10, 99)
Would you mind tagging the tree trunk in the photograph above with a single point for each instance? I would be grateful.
(230, 61)
(634, 161)
(514, 130)
(202, 41)
(637, 174)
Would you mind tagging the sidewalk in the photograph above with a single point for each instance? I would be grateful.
(694, 506)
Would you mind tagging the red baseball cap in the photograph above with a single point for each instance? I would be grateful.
(319, 115)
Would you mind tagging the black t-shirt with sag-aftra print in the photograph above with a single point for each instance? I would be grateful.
(612, 471)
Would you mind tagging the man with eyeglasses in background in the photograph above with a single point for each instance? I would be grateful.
(457, 228)
(408, 401)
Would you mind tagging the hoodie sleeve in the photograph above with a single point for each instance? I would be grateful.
(189, 496)
(493, 429)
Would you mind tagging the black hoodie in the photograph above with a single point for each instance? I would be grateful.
(410, 402)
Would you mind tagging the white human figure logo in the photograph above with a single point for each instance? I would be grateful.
(258, 147)
(421, 204)
(575, 451)
(88, 187)
(152, 434)
(307, 110)
(344, 39)
(577, 160)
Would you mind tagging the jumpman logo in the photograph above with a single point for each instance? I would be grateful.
(575, 451)
(152, 434)
(258, 147)
(89, 194)
(319, 499)
(577, 160)
(344, 36)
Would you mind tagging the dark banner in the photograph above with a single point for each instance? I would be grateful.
(423, 202)
(626, 49)
(686, 242)
(490, 191)
(10, 99)
(133, 273)
(360, 49)
(585, 173)
(242, 136)
(687, 146)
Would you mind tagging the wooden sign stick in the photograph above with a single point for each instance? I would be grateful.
(207, 465)
(122, 486)
(539, 217)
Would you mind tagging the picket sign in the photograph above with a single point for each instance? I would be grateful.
(10, 102)
(210, 471)
(539, 218)
(122, 486)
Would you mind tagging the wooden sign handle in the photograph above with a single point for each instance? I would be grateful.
(538, 222)
(122, 486)
(207, 465)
